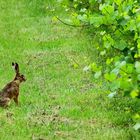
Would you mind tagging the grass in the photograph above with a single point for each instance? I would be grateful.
(58, 100)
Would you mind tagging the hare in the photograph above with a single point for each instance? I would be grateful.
(11, 90)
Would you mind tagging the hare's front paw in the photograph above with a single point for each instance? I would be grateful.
(4, 102)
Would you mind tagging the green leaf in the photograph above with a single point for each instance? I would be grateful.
(110, 77)
(134, 93)
(103, 53)
(136, 126)
(120, 64)
(115, 71)
(137, 55)
(115, 85)
(138, 77)
(106, 9)
(75, 5)
(97, 74)
(136, 36)
(107, 44)
(136, 116)
(108, 41)
(82, 17)
(128, 68)
(126, 84)
(75, 65)
(95, 68)
(92, 1)
(96, 20)
(137, 66)
(138, 43)
(109, 61)
(129, 59)
(120, 44)
(83, 10)
(118, 2)
(131, 25)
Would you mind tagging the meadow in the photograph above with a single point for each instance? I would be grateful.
(59, 100)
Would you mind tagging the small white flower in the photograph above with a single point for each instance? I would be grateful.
(112, 94)
(86, 68)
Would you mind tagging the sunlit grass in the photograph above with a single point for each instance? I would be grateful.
(58, 100)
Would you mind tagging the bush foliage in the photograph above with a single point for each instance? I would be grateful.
(116, 27)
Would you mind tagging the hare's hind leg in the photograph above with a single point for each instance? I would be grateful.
(4, 102)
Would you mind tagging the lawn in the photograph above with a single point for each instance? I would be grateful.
(59, 100)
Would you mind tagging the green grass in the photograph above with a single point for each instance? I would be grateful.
(58, 100)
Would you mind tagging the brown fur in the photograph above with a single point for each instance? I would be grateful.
(11, 90)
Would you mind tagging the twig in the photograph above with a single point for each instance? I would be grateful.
(85, 25)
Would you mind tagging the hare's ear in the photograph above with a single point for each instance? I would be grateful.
(16, 67)
(13, 65)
